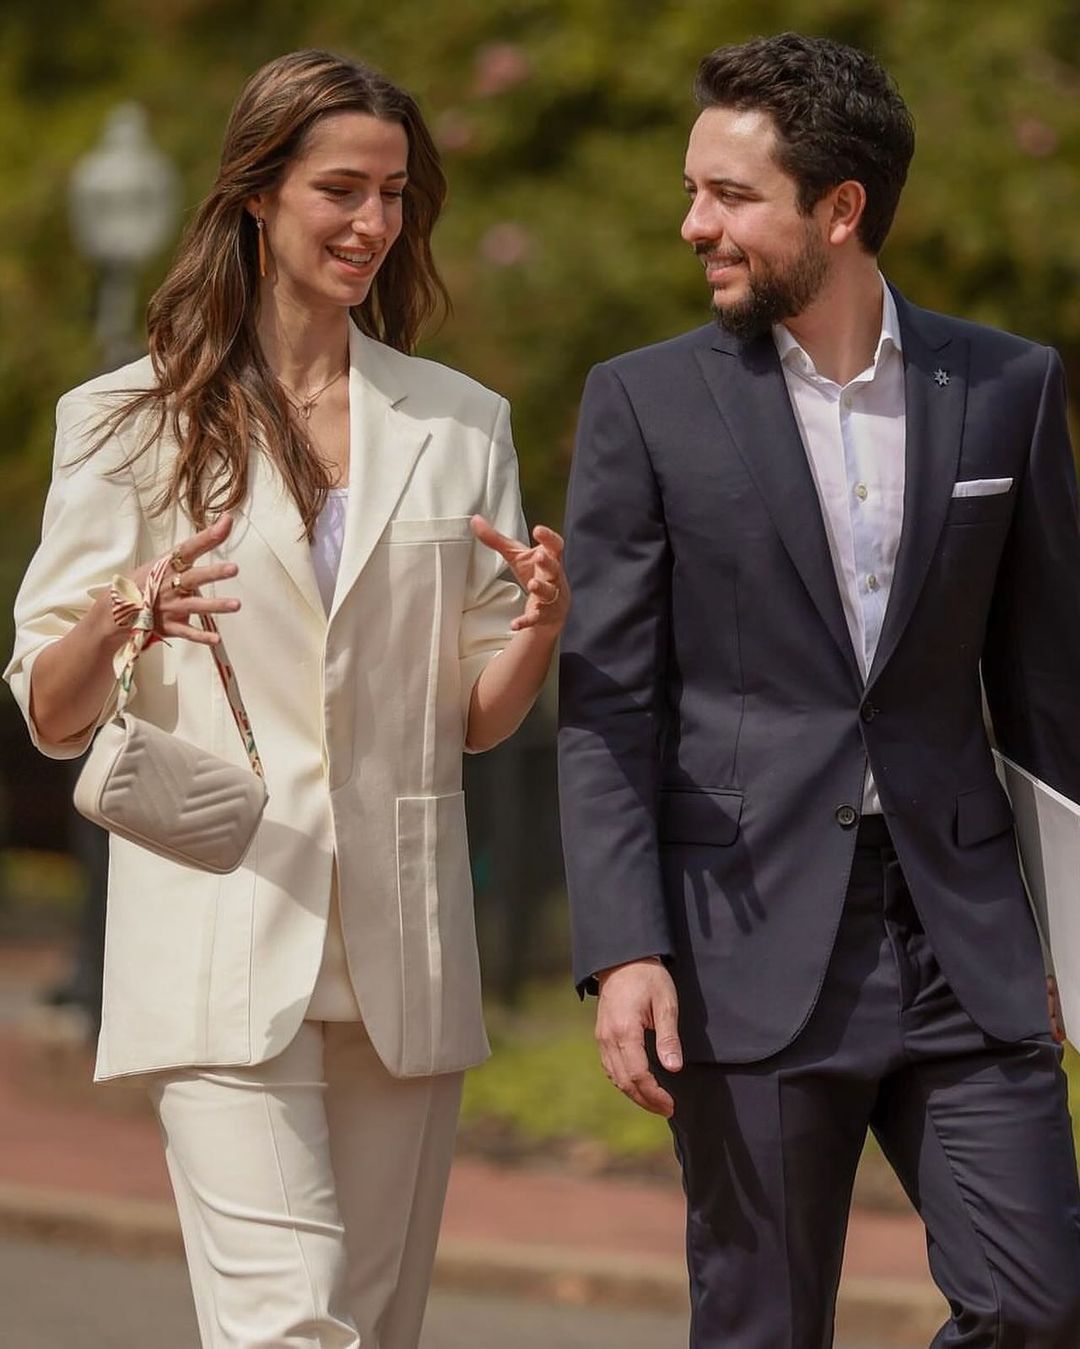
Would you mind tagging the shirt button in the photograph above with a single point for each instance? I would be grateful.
(872, 582)
(861, 491)
(846, 816)
(847, 400)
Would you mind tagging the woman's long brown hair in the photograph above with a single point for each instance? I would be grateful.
(215, 391)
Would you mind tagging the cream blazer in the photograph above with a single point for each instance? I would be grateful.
(359, 715)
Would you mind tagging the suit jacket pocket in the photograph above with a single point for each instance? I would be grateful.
(977, 510)
(440, 965)
(982, 813)
(708, 816)
(448, 529)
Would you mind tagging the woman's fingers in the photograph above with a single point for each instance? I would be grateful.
(488, 535)
(545, 563)
(172, 628)
(175, 618)
(549, 540)
(547, 592)
(179, 599)
(195, 577)
(183, 605)
(538, 570)
(188, 552)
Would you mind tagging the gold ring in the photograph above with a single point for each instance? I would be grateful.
(554, 599)
(178, 562)
(177, 584)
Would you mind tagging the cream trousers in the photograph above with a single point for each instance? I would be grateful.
(310, 1190)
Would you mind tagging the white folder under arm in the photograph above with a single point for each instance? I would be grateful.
(1048, 834)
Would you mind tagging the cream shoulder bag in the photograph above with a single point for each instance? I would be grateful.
(161, 792)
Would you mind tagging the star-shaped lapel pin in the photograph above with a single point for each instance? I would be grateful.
(941, 377)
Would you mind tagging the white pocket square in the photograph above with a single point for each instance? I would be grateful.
(982, 487)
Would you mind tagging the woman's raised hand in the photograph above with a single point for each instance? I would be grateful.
(178, 599)
(538, 570)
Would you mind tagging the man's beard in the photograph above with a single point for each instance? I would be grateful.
(775, 293)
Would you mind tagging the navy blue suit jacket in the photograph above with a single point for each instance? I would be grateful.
(715, 727)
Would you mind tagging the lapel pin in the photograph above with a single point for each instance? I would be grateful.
(941, 377)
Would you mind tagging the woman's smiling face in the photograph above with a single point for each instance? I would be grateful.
(336, 212)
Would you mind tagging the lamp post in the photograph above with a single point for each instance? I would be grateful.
(124, 201)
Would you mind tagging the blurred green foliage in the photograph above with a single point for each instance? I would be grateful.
(543, 1087)
(563, 123)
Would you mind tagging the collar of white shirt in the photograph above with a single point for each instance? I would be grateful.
(795, 358)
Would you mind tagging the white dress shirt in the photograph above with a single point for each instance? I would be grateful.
(853, 435)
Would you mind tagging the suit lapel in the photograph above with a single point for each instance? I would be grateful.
(384, 445)
(747, 383)
(272, 514)
(934, 424)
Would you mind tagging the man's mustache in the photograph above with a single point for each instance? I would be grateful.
(708, 254)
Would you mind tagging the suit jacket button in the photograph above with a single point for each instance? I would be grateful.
(868, 711)
(846, 816)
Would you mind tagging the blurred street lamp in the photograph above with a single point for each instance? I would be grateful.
(124, 202)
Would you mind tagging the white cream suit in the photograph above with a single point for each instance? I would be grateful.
(360, 719)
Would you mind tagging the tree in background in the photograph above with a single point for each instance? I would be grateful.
(563, 123)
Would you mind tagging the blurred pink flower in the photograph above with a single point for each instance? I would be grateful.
(506, 245)
(499, 66)
(454, 130)
(1036, 137)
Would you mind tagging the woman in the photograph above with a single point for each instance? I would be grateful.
(348, 512)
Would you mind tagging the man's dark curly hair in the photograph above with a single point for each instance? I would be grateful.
(838, 116)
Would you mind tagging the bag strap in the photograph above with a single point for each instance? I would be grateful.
(126, 598)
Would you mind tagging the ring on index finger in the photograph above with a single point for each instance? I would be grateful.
(178, 585)
(178, 562)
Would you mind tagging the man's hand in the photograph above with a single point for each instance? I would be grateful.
(636, 997)
(1057, 1026)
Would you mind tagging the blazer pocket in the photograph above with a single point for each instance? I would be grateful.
(982, 813)
(706, 816)
(977, 510)
(447, 529)
(440, 966)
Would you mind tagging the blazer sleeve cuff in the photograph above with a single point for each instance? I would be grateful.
(19, 681)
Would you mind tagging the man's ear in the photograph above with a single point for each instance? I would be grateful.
(847, 204)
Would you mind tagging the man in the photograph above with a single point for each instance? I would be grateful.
(795, 539)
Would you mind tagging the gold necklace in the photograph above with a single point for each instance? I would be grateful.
(304, 405)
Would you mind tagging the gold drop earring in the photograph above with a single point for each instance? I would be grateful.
(260, 229)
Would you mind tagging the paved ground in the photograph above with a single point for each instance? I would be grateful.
(84, 1164)
(54, 1296)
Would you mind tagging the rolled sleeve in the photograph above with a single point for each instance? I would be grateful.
(493, 598)
(90, 531)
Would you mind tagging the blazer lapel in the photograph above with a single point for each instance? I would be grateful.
(747, 383)
(935, 397)
(272, 514)
(384, 446)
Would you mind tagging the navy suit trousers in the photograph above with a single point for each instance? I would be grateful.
(976, 1129)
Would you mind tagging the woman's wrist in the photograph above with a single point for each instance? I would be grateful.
(540, 636)
(106, 636)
